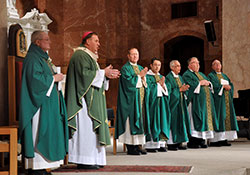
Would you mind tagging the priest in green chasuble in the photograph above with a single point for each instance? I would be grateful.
(180, 122)
(43, 129)
(201, 108)
(85, 99)
(159, 111)
(223, 101)
(132, 105)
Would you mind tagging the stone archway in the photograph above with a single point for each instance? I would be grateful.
(182, 48)
(187, 43)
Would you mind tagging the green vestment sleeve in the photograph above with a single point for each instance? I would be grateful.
(80, 75)
(52, 138)
(128, 103)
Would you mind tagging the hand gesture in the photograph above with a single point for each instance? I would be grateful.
(227, 87)
(184, 87)
(204, 83)
(58, 77)
(112, 73)
(162, 81)
(143, 72)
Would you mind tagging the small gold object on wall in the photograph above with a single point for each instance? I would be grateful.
(21, 44)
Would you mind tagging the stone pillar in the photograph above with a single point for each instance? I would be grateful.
(3, 65)
(236, 42)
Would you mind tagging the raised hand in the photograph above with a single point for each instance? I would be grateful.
(143, 72)
(112, 73)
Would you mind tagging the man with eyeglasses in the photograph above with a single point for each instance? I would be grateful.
(201, 108)
(43, 129)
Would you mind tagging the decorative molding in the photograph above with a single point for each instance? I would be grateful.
(30, 22)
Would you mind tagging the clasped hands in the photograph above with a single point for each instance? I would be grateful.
(227, 87)
(112, 73)
(184, 87)
(204, 83)
(143, 72)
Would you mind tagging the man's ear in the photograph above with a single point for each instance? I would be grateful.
(37, 42)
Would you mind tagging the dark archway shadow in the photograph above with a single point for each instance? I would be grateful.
(182, 48)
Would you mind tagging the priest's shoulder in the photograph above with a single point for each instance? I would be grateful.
(79, 55)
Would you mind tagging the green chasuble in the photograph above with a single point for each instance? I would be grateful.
(180, 123)
(203, 110)
(159, 111)
(52, 138)
(80, 75)
(223, 103)
(130, 104)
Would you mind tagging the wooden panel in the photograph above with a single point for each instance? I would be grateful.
(12, 90)
(4, 147)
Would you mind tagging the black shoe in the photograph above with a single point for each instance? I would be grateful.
(152, 150)
(162, 149)
(37, 172)
(132, 150)
(224, 143)
(215, 144)
(181, 147)
(140, 150)
(203, 146)
(173, 147)
(193, 146)
(87, 167)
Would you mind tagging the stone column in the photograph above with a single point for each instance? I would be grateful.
(3, 65)
(236, 42)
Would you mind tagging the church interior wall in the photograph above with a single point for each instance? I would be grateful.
(143, 24)
(236, 42)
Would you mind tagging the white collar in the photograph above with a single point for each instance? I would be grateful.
(218, 72)
(133, 64)
(191, 70)
(175, 76)
(93, 55)
(150, 72)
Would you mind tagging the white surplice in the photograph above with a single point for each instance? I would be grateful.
(84, 147)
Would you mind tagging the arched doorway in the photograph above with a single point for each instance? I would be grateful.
(182, 48)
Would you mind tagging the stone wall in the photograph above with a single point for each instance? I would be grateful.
(236, 42)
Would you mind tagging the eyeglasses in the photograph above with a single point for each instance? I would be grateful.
(45, 39)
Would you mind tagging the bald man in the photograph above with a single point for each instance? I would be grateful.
(223, 100)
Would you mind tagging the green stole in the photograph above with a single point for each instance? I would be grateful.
(208, 103)
(142, 92)
(226, 93)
